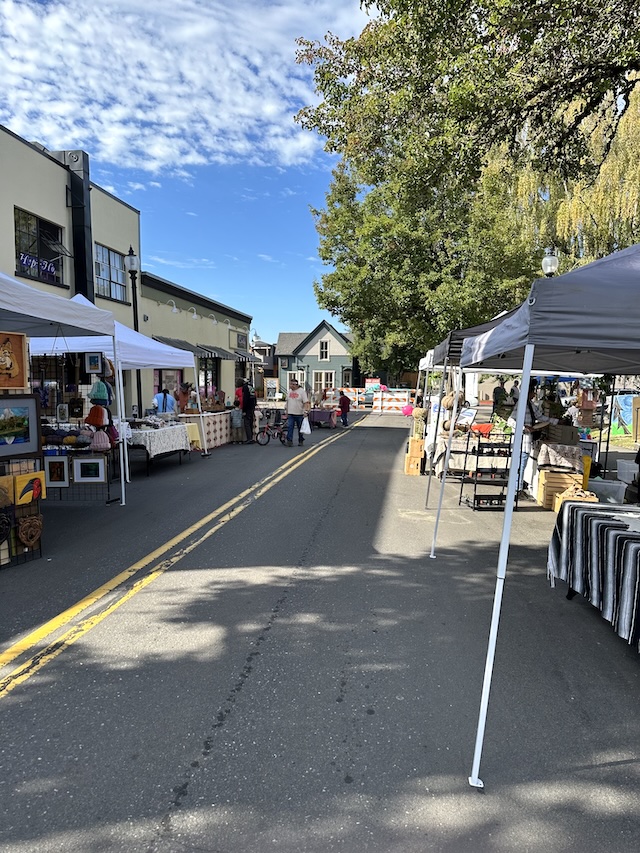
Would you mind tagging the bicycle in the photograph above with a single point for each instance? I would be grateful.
(263, 436)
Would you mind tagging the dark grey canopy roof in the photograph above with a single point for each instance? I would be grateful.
(587, 321)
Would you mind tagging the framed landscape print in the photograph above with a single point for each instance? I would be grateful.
(56, 472)
(93, 362)
(13, 362)
(90, 469)
(19, 425)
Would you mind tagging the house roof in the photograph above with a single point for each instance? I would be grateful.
(290, 342)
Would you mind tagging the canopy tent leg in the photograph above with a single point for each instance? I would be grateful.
(452, 425)
(474, 779)
(205, 449)
(430, 456)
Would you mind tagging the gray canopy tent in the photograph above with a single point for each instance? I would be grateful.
(584, 321)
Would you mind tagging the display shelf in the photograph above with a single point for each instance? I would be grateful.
(486, 468)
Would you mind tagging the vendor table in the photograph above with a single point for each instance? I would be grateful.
(217, 427)
(161, 442)
(322, 418)
(595, 549)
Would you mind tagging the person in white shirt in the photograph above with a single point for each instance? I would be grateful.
(515, 392)
(534, 421)
(296, 406)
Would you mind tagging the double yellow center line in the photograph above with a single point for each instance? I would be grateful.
(217, 519)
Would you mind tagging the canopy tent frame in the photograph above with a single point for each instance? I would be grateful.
(135, 351)
(35, 313)
(586, 319)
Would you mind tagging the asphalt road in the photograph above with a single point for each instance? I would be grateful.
(281, 666)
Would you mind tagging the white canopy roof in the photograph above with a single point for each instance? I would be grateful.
(583, 321)
(135, 350)
(33, 312)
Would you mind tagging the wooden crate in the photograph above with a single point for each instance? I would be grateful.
(551, 483)
(567, 495)
(413, 465)
(416, 448)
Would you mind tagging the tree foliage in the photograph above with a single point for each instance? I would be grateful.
(470, 136)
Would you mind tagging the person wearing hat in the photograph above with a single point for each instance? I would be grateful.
(296, 406)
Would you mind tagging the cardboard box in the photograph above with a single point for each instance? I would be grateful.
(552, 483)
(416, 448)
(571, 495)
(413, 465)
(561, 434)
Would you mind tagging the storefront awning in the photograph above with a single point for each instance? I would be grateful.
(242, 355)
(218, 352)
(200, 350)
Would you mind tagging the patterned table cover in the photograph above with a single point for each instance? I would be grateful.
(164, 440)
(217, 427)
(595, 549)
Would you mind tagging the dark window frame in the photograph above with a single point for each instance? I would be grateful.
(39, 249)
(111, 277)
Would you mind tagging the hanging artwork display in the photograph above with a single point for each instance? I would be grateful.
(19, 425)
(13, 362)
(56, 472)
(29, 487)
(91, 469)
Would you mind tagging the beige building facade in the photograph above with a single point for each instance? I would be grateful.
(64, 234)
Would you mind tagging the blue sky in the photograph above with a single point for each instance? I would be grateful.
(186, 110)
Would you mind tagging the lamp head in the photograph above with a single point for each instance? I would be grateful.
(132, 262)
(550, 262)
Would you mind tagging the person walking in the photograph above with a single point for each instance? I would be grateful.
(515, 392)
(249, 410)
(297, 404)
(345, 404)
(499, 396)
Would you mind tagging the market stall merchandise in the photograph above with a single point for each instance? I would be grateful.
(595, 549)
(583, 321)
(157, 438)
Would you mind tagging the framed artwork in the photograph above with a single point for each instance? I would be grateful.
(62, 412)
(91, 469)
(19, 425)
(56, 472)
(93, 362)
(29, 487)
(6, 490)
(13, 362)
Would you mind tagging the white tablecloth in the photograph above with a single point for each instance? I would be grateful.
(163, 440)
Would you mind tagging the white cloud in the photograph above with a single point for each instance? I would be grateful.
(189, 83)
(151, 261)
(267, 258)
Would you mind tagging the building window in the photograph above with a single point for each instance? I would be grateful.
(110, 274)
(322, 380)
(39, 250)
(324, 350)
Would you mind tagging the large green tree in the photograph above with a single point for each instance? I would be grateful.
(471, 135)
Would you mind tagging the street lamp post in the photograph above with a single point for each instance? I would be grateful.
(550, 262)
(252, 344)
(132, 265)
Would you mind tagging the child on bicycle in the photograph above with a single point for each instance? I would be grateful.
(237, 424)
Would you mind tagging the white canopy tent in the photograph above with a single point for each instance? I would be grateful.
(584, 321)
(132, 351)
(35, 313)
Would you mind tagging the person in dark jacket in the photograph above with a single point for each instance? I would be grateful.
(249, 410)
